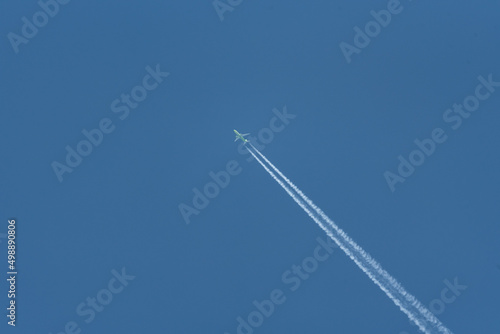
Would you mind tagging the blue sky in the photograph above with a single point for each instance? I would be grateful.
(111, 229)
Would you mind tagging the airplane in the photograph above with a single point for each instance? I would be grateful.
(241, 136)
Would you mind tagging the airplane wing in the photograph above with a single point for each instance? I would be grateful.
(236, 139)
(245, 134)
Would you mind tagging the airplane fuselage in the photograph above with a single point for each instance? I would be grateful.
(240, 136)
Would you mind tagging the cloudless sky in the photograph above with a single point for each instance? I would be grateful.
(118, 209)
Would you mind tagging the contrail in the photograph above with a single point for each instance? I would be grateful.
(416, 312)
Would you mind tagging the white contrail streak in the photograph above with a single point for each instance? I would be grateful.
(407, 303)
